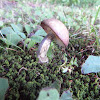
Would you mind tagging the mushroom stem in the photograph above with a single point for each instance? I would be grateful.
(43, 48)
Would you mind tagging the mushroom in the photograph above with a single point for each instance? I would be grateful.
(55, 30)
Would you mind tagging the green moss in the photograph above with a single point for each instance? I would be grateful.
(27, 77)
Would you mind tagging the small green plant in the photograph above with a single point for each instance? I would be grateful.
(52, 93)
(91, 65)
(14, 35)
(3, 87)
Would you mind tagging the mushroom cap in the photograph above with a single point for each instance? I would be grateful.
(58, 29)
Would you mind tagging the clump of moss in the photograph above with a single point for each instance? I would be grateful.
(27, 77)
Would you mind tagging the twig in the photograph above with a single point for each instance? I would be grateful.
(11, 49)
(82, 51)
(22, 69)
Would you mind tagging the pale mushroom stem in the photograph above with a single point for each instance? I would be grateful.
(43, 48)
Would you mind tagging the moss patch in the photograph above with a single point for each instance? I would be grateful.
(27, 77)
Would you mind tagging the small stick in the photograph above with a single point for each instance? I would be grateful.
(11, 49)
(22, 69)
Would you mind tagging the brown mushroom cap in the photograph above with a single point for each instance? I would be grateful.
(57, 28)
